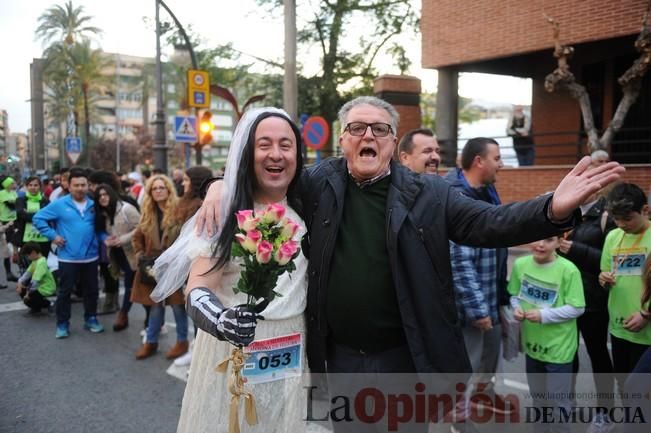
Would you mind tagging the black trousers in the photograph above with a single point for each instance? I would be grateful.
(36, 302)
(593, 326)
(625, 357)
(349, 372)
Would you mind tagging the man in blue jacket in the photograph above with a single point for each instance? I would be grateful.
(70, 224)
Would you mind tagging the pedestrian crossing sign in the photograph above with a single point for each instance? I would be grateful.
(185, 129)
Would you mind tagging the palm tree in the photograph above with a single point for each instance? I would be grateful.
(64, 24)
(87, 65)
(66, 30)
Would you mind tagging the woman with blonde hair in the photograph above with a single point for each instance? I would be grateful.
(155, 234)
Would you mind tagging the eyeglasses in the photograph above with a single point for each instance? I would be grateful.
(359, 128)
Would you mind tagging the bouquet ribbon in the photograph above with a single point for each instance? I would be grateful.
(236, 387)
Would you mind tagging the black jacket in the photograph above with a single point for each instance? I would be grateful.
(23, 217)
(588, 239)
(423, 212)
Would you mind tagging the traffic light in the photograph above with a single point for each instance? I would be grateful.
(205, 128)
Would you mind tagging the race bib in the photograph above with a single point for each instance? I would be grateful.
(629, 261)
(273, 359)
(33, 235)
(537, 292)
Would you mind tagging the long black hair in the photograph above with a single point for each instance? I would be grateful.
(102, 213)
(246, 183)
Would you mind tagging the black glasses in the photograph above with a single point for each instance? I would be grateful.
(359, 128)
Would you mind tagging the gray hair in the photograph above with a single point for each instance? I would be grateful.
(374, 102)
(599, 154)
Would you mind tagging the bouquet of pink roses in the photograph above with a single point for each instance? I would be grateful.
(264, 242)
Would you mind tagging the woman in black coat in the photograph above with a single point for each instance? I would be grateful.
(583, 247)
(26, 206)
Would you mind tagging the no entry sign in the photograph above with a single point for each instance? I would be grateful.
(316, 132)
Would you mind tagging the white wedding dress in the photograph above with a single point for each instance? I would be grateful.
(280, 404)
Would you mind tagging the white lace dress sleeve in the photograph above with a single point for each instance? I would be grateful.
(280, 404)
(172, 268)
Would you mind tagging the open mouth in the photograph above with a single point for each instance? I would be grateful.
(367, 152)
(274, 170)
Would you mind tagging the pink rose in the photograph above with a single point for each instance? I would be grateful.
(246, 221)
(286, 252)
(290, 228)
(249, 241)
(263, 253)
(273, 213)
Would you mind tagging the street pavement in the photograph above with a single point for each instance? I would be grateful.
(85, 383)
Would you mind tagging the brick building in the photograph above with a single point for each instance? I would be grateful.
(511, 37)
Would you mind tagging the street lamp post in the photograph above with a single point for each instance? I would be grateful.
(159, 147)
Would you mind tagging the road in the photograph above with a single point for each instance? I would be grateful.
(85, 383)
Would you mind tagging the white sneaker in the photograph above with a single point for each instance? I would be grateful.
(184, 360)
(600, 424)
(164, 329)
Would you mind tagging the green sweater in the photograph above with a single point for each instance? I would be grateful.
(362, 307)
(7, 205)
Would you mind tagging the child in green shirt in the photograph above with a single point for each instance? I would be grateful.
(622, 262)
(547, 296)
(37, 283)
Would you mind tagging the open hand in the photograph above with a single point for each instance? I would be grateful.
(580, 183)
(208, 214)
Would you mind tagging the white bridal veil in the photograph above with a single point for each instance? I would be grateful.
(173, 266)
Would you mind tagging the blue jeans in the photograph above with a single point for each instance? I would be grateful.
(69, 273)
(546, 378)
(157, 318)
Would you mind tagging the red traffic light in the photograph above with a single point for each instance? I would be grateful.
(205, 128)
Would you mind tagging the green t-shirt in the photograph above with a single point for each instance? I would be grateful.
(549, 285)
(30, 233)
(7, 205)
(629, 251)
(41, 273)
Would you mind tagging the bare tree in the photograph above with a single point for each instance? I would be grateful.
(630, 81)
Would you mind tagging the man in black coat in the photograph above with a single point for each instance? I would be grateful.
(380, 293)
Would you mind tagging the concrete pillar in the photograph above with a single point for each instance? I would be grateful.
(447, 114)
(403, 92)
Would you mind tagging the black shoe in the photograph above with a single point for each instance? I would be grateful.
(463, 427)
(11, 277)
(3, 286)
